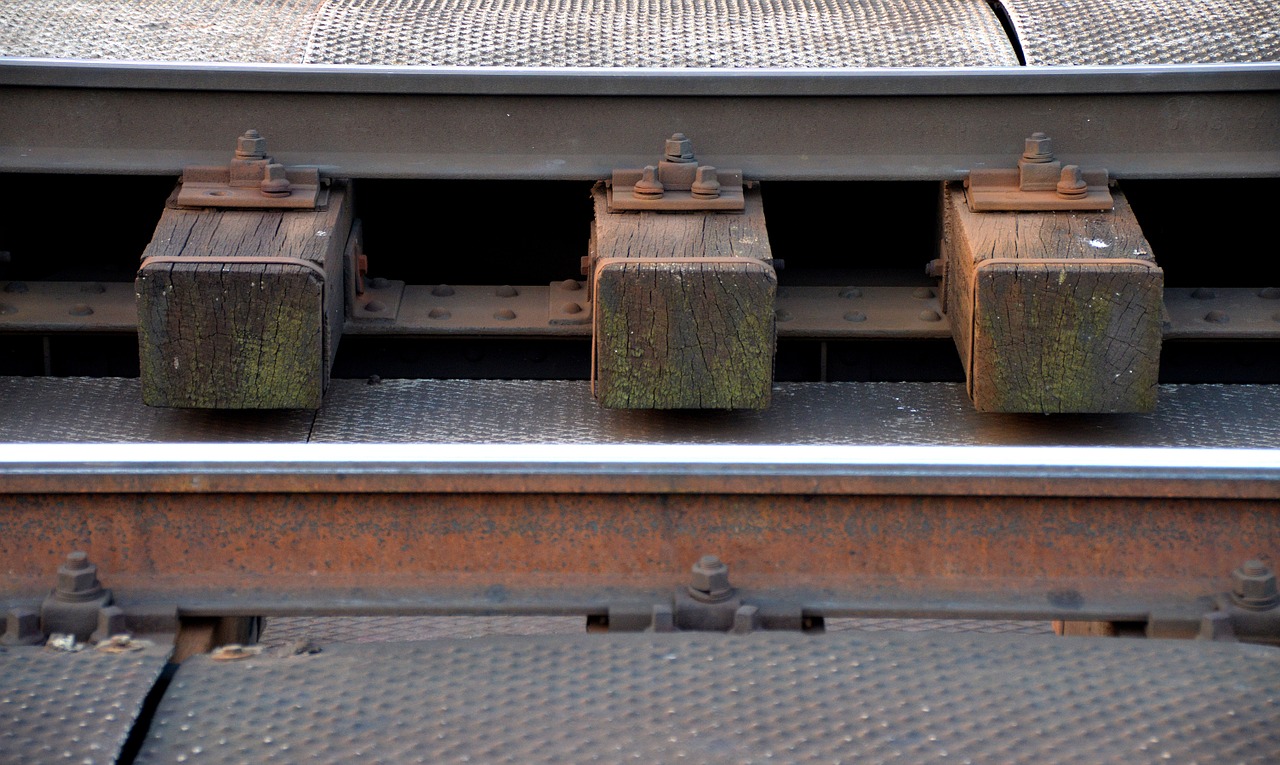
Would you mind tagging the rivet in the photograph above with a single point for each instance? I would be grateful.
(5, 308)
(930, 316)
(506, 314)
(855, 316)
(783, 314)
(439, 313)
(442, 290)
(80, 309)
(570, 284)
(1202, 293)
(1217, 317)
(95, 288)
(375, 306)
(16, 287)
(923, 293)
(571, 308)
(1269, 293)
(851, 292)
(506, 291)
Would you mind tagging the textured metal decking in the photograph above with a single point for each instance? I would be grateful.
(1075, 32)
(730, 699)
(58, 706)
(541, 33)
(86, 410)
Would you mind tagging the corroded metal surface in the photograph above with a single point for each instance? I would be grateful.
(565, 33)
(1012, 557)
(739, 699)
(58, 706)
(1057, 33)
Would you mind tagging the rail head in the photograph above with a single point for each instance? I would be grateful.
(642, 469)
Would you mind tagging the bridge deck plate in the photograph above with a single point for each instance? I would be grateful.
(741, 699)
(59, 706)
(573, 33)
(110, 410)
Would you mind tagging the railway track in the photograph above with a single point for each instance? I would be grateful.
(461, 443)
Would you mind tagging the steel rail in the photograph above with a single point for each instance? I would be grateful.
(1076, 533)
(642, 469)
(876, 124)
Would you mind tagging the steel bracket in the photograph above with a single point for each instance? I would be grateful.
(251, 181)
(676, 184)
(1040, 182)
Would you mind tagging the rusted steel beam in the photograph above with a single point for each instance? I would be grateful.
(1059, 557)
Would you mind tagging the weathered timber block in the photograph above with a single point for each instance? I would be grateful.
(1053, 311)
(684, 308)
(242, 309)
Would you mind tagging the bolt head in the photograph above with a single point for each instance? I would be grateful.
(710, 575)
(1039, 148)
(679, 149)
(1255, 585)
(251, 145)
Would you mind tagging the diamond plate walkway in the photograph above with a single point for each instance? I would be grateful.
(705, 698)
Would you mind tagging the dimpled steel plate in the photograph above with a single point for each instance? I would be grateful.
(706, 698)
(1073, 32)
(525, 33)
(58, 706)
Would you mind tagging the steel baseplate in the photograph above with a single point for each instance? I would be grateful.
(779, 697)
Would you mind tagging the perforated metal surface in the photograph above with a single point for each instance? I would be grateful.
(739, 699)
(540, 33)
(1071, 32)
(71, 707)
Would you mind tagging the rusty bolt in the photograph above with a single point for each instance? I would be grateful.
(251, 145)
(710, 582)
(1039, 149)
(706, 184)
(77, 579)
(679, 149)
(648, 187)
(274, 181)
(1071, 183)
(935, 268)
(1255, 586)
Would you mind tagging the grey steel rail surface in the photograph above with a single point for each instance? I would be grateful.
(837, 124)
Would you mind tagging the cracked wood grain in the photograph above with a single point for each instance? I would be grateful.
(242, 335)
(683, 335)
(1081, 334)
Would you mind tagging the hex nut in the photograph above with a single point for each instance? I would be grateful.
(679, 149)
(1039, 148)
(1255, 586)
(710, 578)
(251, 145)
(78, 579)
